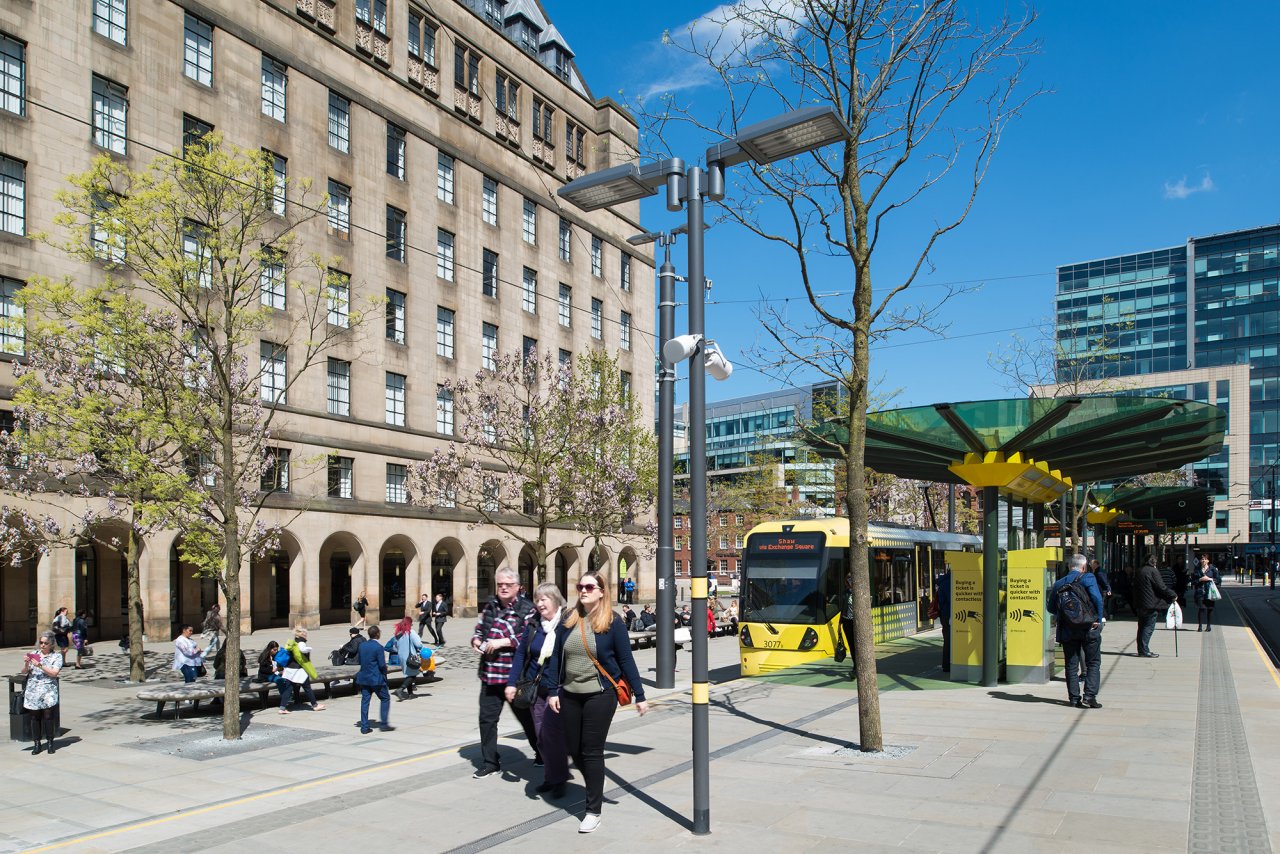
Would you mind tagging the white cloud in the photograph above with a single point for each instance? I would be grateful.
(1182, 189)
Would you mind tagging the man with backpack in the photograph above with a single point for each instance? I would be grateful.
(1077, 603)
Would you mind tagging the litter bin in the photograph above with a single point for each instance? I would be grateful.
(17, 720)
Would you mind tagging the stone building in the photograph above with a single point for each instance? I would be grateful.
(445, 128)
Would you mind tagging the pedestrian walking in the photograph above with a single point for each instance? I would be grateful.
(187, 657)
(62, 629)
(595, 656)
(846, 624)
(212, 628)
(409, 650)
(534, 659)
(372, 679)
(40, 695)
(942, 595)
(1151, 597)
(439, 614)
(496, 635)
(80, 635)
(360, 606)
(631, 591)
(1207, 579)
(1080, 631)
(424, 614)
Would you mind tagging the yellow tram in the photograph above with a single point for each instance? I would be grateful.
(793, 579)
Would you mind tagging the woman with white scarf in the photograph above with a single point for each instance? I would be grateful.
(534, 656)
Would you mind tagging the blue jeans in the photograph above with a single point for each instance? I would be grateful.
(188, 673)
(1146, 628)
(384, 697)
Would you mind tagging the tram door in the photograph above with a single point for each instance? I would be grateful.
(924, 583)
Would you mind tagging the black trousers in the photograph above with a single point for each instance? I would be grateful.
(492, 700)
(586, 719)
(437, 629)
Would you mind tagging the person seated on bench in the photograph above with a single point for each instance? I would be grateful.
(629, 618)
(349, 652)
(648, 621)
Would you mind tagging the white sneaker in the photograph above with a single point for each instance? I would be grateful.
(590, 822)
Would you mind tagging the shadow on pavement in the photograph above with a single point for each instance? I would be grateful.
(1026, 698)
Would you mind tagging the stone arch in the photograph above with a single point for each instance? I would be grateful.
(492, 555)
(527, 568)
(101, 586)
(276, 582)
(343, 575)
(631, 561)
(564, 566)
(190, 596)
(600, 560)
(448, 570)
(398, 577)
(19, 597)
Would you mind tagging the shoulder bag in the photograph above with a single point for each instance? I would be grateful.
(620, 685)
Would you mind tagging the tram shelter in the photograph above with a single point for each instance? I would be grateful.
(1033, 451)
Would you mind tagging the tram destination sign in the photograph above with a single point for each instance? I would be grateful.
(1141, 527)
(786, 544)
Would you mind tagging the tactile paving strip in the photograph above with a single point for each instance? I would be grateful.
(1226, 811)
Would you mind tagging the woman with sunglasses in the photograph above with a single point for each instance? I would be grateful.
(40, 697)
(592, 638)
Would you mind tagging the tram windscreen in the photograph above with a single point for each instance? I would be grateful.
(782, 579)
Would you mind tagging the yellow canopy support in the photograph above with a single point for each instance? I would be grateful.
(1023, 478)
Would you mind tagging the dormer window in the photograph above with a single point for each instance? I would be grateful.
(560, 63)
(493, 11)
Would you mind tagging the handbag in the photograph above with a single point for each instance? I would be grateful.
(296, 675)
(527, 691)
(620, 686)
(201, 671)
(413, 661)
(934, 612)
(1213, 594)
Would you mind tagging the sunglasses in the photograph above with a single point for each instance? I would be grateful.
(587, 588)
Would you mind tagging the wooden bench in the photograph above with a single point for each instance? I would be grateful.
(180, 692)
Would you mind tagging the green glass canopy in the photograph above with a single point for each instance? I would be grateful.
(1086, 438)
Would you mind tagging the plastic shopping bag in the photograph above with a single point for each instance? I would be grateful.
(1173, 618)
(1214, 593)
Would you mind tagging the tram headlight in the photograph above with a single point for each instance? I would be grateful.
(809, 641)
(745, 636)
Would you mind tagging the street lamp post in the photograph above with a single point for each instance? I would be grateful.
(666, 646)
(774, 139)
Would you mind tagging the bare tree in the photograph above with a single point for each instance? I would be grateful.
(927, 92)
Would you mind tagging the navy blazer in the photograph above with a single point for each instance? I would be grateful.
(527, 653)
(613, 651)
(373, 664)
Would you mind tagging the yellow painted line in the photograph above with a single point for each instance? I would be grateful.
(300, 787)
(1266, 659)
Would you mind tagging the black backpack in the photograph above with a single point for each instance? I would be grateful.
(1075, 605)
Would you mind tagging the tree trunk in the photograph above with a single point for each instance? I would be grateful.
(137, 662)
(870, 733)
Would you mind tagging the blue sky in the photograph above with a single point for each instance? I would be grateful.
(1160, 125)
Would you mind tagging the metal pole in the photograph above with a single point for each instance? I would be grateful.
(990, 586)
(695, 190)
(666, 675)
(951, 508)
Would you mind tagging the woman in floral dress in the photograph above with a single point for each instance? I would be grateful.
(40, 699)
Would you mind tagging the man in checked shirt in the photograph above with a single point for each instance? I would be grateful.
(496, 636)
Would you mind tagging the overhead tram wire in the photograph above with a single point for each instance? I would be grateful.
(551, 299)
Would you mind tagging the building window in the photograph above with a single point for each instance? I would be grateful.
(275, 78)
(724, 542)
(566, 305)
(378, 18)
(597, 256)
(397, 483)
(444, 411)
(444, 255)
(444, 178)
(338, 298)
(566, 240)
(724, 566)
(422, 38)
(197, 255)
(271, 282)
(489, 201)
(574, 143)
(624, 335)
(679, 567)
(543, 117)
(739, 521)
(13, 324)
(597, 319)
(679, 522)
(737, 541)
(273, 384)
(528, 349)
(275, 470)
(111, 19)
(193, 132)
(395, 316)
(338, 388)
(507, 96)
(565, 360)
(466, 69)
(530, 222)
(339, 122)
(395, 399)
(395, 233)
(624, 383)
(724, 521)
(489, 275)
(626, 271)
(444, 332)
(488, 346)
(13, 75)
(341, 477)
(279, 181)
(106, 232)
(197, 50)
(529, 291)
(395, 151)
(339, 210)
(110, 115)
